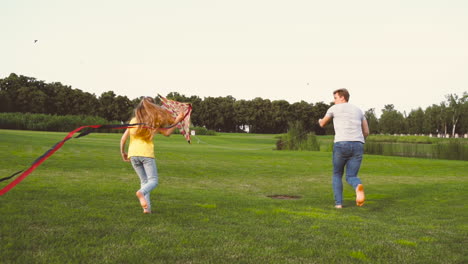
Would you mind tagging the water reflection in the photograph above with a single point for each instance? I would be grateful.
(446, 150)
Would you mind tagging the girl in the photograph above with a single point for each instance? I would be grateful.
(141, 147)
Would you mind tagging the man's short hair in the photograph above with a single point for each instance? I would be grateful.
(343, 92)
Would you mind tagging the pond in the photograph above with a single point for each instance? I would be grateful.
(445, 150)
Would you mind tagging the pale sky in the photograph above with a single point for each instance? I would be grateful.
(409, 53)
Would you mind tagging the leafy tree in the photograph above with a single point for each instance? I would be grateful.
(243, 114)
(209, 112)
(31, 99)
(463, 127)
(415, 121)
(320, 109)
(10, 87)
(444, 118)
(304, 113)
(124, 108)
(391, 121)
(454, 111)
(227, 114)
(196, 103)
(261, 118)
(114, 107)
(177, 97)
(431, 119)
(12, 83)
(5, 102)
(63, 101)
(83, 103)
(280, 116)
(372, 121)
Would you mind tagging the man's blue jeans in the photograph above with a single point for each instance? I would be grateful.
(346, 154)
(147, 171)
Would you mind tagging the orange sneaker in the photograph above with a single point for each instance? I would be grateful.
(142, 199)
(360, 197)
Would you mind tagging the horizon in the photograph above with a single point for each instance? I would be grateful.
(378, 112)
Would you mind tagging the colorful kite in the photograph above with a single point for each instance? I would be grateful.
(175, 108)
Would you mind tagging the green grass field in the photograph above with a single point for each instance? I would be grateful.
(211, 205)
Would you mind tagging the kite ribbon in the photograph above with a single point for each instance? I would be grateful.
(47, 154)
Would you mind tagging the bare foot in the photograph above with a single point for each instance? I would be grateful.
(360, 197)
(142, 199)
(146, 211)
(338, 206)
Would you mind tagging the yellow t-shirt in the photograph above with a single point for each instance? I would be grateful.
(139, 147)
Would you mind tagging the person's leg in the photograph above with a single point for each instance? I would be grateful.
(139, 169)
(339, 162)
(360, 197)
(352, 170)
(354, 164)
(149, 165)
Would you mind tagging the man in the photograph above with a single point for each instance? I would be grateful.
(351, 129)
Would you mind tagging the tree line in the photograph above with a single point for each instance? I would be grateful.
(24, 94)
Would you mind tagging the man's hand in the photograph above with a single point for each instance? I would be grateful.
(324, 121)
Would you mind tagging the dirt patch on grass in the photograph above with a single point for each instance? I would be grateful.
(284, 197)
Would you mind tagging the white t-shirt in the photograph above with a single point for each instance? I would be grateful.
(347, 121)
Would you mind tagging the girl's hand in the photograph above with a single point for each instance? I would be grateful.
(125, 157)
(180, 117)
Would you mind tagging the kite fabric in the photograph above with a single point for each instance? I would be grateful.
(175, 108)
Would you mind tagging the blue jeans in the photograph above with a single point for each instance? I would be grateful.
(349, 154)
(147, 171)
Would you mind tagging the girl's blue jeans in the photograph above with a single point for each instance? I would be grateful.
(147, 171)
(346, 154)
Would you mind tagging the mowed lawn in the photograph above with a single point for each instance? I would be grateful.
(212, 205)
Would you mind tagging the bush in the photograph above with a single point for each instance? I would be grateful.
(203, 131)
(297, 139)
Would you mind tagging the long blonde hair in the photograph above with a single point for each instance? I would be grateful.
(151, 115)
